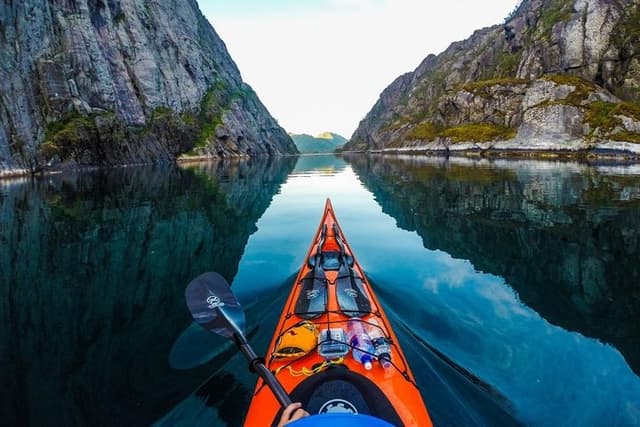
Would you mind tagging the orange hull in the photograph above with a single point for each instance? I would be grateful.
(397, 384)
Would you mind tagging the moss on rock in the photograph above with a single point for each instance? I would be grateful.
(74, 137)
(467, 132)
(604, 118)
(426, 131)
(507, 64)
(583, 88)
(601, 115)
(555, 12)
(98, 138)
(214, 104)
(478, 132)
(481, 85)
(626, 136)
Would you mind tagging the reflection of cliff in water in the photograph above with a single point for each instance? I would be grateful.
(93, 269)
(565, 236)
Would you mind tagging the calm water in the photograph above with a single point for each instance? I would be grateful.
(514, 287)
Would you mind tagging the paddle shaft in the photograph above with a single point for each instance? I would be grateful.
(256, 365)
(213, 305)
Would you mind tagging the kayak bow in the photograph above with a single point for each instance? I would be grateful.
(332, 300)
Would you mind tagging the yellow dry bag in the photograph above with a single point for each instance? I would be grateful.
(297, 341)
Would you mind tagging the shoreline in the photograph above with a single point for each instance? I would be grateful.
(542, 148)
(9, 174)
(582, 155)
(589, 156)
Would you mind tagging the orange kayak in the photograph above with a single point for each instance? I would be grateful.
(334, 349)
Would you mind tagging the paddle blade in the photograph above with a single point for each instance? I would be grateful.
(213, 305)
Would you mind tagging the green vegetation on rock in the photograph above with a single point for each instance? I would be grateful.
(390, 126)
(478, 132)
(626, 40)
(582, 87)
(507, 64)
(601, 115)
(481, 85)
(426, 131)
(630, 109)
(94, 138)
(70, 138)
(571, 80)
(214, 104)
(626, 136)
(603, 119)
(555, 12)
(212, 107)
(539, 73)
(468, 132)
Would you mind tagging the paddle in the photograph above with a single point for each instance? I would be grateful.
(215, 308)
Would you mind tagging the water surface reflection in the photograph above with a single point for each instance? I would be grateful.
(512, 285)
(92, 270)
(562, 238)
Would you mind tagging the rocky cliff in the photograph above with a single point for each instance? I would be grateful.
(556, 75)
(122, 81)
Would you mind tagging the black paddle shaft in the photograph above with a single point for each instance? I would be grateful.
(215, 308)
(256, 364)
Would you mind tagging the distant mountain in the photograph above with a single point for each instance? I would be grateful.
(326, 142)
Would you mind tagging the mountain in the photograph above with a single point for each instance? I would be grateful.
(95, 82)
(556, 75)
(326, 142)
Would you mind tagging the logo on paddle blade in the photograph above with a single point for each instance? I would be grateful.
(351, 292)
(214, 302)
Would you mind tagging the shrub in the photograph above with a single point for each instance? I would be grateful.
(582, 87)
(601, 115)
(557, 11)
(73, 137)
(478, 132)
(426, 131)
(468, 132)
(483, 84)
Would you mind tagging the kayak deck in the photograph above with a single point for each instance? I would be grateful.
(331, 289)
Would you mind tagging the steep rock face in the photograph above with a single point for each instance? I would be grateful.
(115, 81)
(556, 75)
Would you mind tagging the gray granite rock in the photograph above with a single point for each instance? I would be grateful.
(553, 122)
(552, 70)
(128, 59)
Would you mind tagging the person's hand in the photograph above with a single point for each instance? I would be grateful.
(292, 413)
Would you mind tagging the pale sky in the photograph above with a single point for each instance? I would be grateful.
(320, 65)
